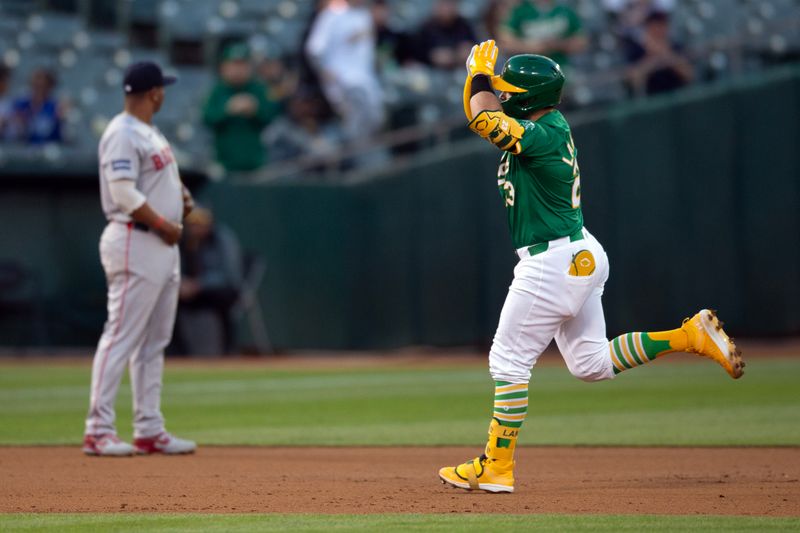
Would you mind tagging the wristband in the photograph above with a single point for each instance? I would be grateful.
(159, 222)
(480, 83)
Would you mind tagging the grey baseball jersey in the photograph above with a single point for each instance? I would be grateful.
(142, 273)
(133, 150)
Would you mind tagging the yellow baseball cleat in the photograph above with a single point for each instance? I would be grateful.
(481, 473)
(707, 338)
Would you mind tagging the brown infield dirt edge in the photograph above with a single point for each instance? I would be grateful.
(603, 480)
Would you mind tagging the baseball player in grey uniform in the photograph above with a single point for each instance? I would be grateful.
(144, 201)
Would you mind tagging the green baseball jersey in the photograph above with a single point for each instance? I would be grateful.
(541, 186)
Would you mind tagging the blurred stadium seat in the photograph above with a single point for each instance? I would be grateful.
(89, 43)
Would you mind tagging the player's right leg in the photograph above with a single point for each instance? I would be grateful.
(130, 301)
(702, 335)
(122, 337)
(591, 357)
(582, 341)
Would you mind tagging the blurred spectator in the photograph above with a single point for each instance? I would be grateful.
(445, 39)
(341, 47)
(627, 17)
(394, 47)
(495, 15)
(5, 100)
(636, 9)
(301, 132)
(36, 118)
(309, 80)
(280, 80)
(657, 65)
(211, 280)
(237, 110)
(545, 27)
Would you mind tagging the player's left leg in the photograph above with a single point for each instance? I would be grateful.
(530, 317)
(146, 371)
(147, 366)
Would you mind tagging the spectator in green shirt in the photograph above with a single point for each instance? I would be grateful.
(544, 27)
(237, 111)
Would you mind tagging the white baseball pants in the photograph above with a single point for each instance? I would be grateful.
(143, 275)
(546, 302)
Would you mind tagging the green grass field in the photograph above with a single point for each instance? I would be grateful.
(393, 522)
(663, 404)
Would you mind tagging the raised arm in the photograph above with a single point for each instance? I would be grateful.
(480, 65)
(483, 97)
(482, 106)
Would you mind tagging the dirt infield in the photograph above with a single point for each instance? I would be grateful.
(728, 481)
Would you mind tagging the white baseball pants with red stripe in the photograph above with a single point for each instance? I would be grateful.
(546, 302)
(143, 275)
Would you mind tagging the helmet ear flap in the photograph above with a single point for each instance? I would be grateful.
(527, 101)
(519, 105)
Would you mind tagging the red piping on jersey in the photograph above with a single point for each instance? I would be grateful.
(119, 322)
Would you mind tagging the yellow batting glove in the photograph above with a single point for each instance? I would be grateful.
(482, 59)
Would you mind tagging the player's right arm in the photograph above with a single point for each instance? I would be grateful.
(170, 232)
(120, 162)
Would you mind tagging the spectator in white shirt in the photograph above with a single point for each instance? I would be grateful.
(341, 47)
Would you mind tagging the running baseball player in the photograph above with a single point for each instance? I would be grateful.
(144, 201)
(562, 269)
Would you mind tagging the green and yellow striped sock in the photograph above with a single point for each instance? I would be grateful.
(633, 349)
(510, 406)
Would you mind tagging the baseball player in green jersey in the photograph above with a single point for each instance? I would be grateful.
(558, 282)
